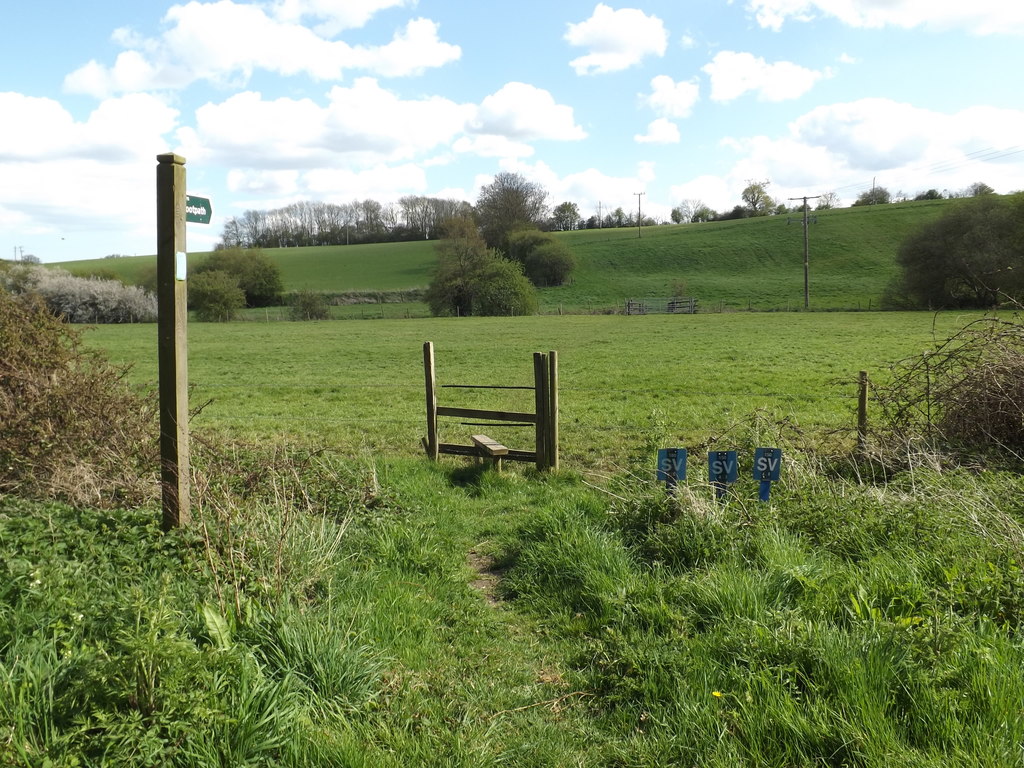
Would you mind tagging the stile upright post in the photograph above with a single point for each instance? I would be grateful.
(540, 382)
(428, 372)
(172, 340)
(553, 410)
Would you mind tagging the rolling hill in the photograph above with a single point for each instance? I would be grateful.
(748, 263)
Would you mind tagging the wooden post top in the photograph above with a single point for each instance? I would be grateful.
(169, 158)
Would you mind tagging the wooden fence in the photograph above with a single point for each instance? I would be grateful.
(676, 305)
(544, 418)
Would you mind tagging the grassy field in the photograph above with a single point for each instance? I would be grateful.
(751, 263)
(625, 381)
(361, 606)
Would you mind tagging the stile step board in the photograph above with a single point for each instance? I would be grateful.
(489, 446)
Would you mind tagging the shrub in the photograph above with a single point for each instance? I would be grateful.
(966, 396)
(549, 264)
(83, 299)
(545, 260)
(69, 425)
(309, 305)
(254, 272)
(215, 296)
(971, 256)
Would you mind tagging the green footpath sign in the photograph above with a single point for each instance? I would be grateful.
(198, 209)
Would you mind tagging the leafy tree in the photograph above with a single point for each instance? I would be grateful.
(827, 201)
(616, 218)
(677, 216)
(703, 213)
(215, 296)
(931, 194)
(254, 272)
(972, 256)
(509, 203)
(979, 188)
(874, 196)
(472, 279)
(565, 216)
(545, 260)
(756, 198)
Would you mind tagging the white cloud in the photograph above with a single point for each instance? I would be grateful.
(616, 39)
(367, 125)
(263, 183)
(847, 146)
(195, 47)
(525, 112)
(492, 146)
(714, 191)
(61, 178)
(661, 131)
(382, 183)
(982, 17)
(364, 124)
(671, 99)
(411, 52)
(114, 132)
(334, 16)
(734, 74)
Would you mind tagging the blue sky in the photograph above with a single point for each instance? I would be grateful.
(337, 100)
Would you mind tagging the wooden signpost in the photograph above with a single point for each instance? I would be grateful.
(173, 209)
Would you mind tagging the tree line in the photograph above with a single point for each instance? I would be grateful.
(309, 223)
(414, 217)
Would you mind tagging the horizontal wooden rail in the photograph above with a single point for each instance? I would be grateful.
(483, 386)
(479, 413)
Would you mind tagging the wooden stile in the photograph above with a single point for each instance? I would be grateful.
(544, 420)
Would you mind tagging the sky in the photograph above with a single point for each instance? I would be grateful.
(339, 100)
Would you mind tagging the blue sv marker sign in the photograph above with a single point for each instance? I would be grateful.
(723, 470)
(671, 466)
(767, 463)
(767, 469)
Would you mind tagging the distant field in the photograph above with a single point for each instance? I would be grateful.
(750, 263)
(626, 381)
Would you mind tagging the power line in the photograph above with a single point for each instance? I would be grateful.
(985, 155)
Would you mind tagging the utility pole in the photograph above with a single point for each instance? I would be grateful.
(807, 282)
(600, 223)
(639, 218)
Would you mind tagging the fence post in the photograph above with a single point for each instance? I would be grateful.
(862, 411)
(553, 409)
(540, 384)
(172, 340)
(431, 442)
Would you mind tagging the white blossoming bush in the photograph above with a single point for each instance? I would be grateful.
(82, 299)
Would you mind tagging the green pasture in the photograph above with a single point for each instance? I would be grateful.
(338, 600)
(746, 264)
(627, 383)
